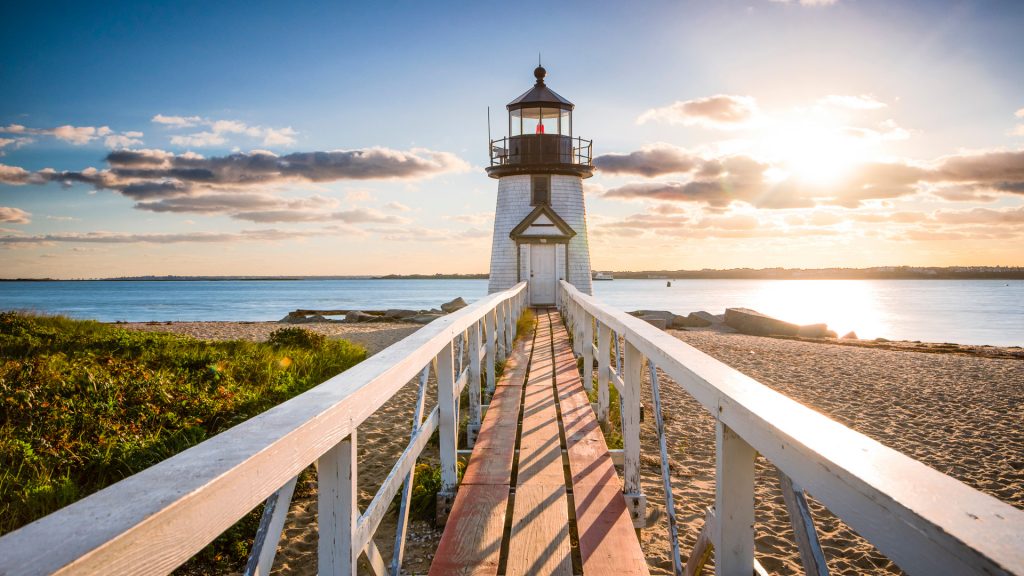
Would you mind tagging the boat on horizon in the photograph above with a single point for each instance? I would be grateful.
(603, 276)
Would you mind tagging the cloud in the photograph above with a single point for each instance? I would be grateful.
(1019, 113)
(649, 161)
(218, 131)
(397, 207)
(718, 182)
(11, 215)
(177, 121)
(125, 140)
(477, 219)
(862, 102)
(76, 135)
(808, 2)
(267, 235)
(239, 185)
(63, 218)
(720, 111)
(15, 143)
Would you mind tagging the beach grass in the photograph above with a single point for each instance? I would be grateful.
(85, 404)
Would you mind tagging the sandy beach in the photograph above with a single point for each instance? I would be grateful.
(957, 412)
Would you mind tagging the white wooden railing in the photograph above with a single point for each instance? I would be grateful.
(154, 521)
(925, 521)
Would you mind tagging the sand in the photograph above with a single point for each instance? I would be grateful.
(958, 412)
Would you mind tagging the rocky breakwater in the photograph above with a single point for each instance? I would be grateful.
(741, 320)
(757, 324)
(363, 316)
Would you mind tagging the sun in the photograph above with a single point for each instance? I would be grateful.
(816, 147)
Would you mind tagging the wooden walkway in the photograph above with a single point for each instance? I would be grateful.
(540, 494)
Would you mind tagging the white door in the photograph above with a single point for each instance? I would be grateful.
(542, 274)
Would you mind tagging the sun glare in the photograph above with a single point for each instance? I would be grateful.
(816, 148)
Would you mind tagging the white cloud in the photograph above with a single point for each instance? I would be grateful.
(218, 131)
(1019, 113)
(177, 121)
(862, 102)
(397, 207)
(63, 218)
(720, 111)
(14, 215)
(808, 2)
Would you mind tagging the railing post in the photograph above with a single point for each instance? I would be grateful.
(510, 323)
(734, 503)
(337, 494)
(630, 407)
(603, 372)
(448, 428)
(588, 351)
(499, 311)
(491, 356)
(473, 427)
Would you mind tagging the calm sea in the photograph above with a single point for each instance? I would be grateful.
(962, 311)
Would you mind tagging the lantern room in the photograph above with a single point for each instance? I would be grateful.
(540, 136)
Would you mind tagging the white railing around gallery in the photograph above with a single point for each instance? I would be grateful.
(154, 521)
(925, 521)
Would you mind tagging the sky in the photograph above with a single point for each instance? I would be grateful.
(342, 138)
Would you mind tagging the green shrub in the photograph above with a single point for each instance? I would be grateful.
(298, 338)
(525, 324)
(84, 404)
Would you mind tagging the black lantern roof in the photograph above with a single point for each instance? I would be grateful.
(540, 95)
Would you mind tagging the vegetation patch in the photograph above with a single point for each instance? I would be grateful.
(85, 404)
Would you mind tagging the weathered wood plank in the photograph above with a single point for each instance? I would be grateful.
(540, 450)
(539, 540)
(491, 461)
(734, 503)
(608, 543)
(471, 543)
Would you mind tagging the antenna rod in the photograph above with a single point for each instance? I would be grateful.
(489, 129)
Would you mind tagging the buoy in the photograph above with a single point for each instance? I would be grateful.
(668, 284)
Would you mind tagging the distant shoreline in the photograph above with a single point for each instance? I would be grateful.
(877, 273)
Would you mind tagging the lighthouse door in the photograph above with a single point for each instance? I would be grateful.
(542, 274)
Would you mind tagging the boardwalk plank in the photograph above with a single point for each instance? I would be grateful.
(471, 543)
(608, 543)
(540, 532)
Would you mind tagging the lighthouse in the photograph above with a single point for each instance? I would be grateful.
(540, 222)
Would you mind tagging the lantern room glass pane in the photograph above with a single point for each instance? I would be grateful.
(550, 122)
(566, 123)
(531, 120)
(515, 123)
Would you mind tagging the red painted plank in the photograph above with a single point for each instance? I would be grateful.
(471, 542)
(608, 543)
(539, 541)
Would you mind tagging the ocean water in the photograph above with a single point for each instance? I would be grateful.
(961, 311)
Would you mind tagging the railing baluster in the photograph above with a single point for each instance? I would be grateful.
(402, 524)
(473, 427)
(630, 408)
(804, 532)
(337, 496)
(264, 547)
(510, 323)
(603, 369)
(666, 474)
(734, 503)
(500, 331)
(490, 357)
(447, 430)
(588, 351)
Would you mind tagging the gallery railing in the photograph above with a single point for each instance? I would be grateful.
(540, 149)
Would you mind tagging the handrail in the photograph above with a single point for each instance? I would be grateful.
(153, 521)
(925, 521)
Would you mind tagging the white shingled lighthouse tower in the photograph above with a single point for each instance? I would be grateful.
(540, 222)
